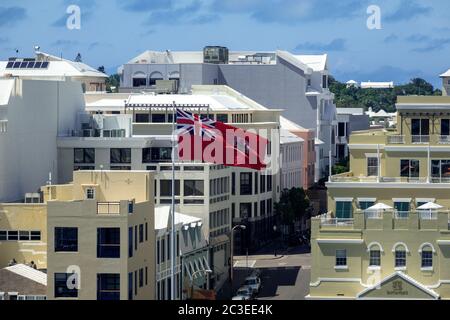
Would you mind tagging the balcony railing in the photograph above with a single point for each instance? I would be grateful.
(420, 139)
(444, 139)
(374, 215)
(427, 215)
(401, 215)
(396, 139)
(328, 221)
(107, 208)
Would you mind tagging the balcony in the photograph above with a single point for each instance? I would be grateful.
(326, 220)
(420, 139)
(108, 208)
(444, 140)
(350, 177)
(396, 139)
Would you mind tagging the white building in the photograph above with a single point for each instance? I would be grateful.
(39, 100)
(291, 149)
(220, 196)
(377, 85)
(349, 120)
(191, 252)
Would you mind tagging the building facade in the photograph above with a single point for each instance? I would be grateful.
(349, 120)
(401, 251)
(101, 240)
(298, 84)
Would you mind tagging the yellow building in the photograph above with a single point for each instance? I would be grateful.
(397, 251)
(96, 236)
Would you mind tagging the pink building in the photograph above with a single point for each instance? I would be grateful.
(309, 153)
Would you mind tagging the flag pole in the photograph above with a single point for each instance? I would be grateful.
(172, 215)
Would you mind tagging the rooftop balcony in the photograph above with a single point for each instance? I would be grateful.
(387, 137)
(386, 220)
(350, 177)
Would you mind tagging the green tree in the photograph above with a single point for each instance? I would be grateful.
(292, 206)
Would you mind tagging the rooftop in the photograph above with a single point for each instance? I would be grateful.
(353, 111)
(162, 218)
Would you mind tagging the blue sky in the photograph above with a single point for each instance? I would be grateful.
(414, 39)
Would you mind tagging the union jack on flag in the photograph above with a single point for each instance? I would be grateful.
(192, 123)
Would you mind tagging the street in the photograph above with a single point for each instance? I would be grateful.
(285, 277)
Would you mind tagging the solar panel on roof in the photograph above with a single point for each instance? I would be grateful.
(16, 64)
(23, 65)
(44, 65)
(9, 65)
(37, 65)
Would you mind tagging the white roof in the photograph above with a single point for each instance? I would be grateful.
(288, 137)
(293, 60)
(315, 62)
(377, 85)
(446, 73)
(380, 114)
(352, 82)
(289, 125)
(57, 68)
(106, 105)
(215, 102)
(29, 273)
(162, 218)
(6, 86)
(353, 111)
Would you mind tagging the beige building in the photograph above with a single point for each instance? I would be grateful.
(401, 251)
(101, 243)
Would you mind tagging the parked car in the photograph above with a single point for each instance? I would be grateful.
(254, 283)
(245, 291)
(256, 273)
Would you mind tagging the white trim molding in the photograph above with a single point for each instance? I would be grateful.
(362, 146)
(375, 243)
(426, 244)
(400, 244)
(340, 241)
(401, 199)
(443, 242)
(373, 155)
(343, 199)
(367, 199)
(425, 200)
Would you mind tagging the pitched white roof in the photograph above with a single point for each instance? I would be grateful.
(316, 62)
(354, 111)
(293, 60)
(57, 68)
(162, 218)
(288, 137)
(446, 73)
(29, 273)
(289, 125)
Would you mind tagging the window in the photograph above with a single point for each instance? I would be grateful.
(154, 77)
(363, 205)
(141, 233)
(341, 258)
(66, 239)
(62, 289)
(139, 82)
(90, 193)
(262, 183)
(141, 278)
(146, 231)
(344, 209)
(108, 243)
(324, 81)
(130, 286)
(402, 209)
(119, 156)
(341, 129)
(262, 208)
(375, 258)
(146, 276)
(35, 235)
(427, 257)
(372, 166)
(108, 286)
(159, 118)
(82, 156)
(233, 183)
(246, 183)
(256, 182)
(142, 118)
(193, 188)
(269, 207)
(440, 171)
(152, 155)
(245, 210)
(130, 242)
(445, 127)
(400, 258)
(420, 127)
(165, 188)
(269, 183)
(222, 117)
(409, 168)
(158, 252)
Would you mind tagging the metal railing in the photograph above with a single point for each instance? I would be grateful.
(420, 139)
(428, 215)
(105, 208)
(373, 215)
(396, 139)
(401, 215)
(329, 221)
(444, 139)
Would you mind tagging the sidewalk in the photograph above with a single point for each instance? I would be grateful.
(266, 253)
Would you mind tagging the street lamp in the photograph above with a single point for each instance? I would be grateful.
(208, 271)
(243, 227)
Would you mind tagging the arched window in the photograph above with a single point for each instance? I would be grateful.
(400, 251)
(139, 79)
(155, 76)
(175, 75)
(375, 250)
(426, 251)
